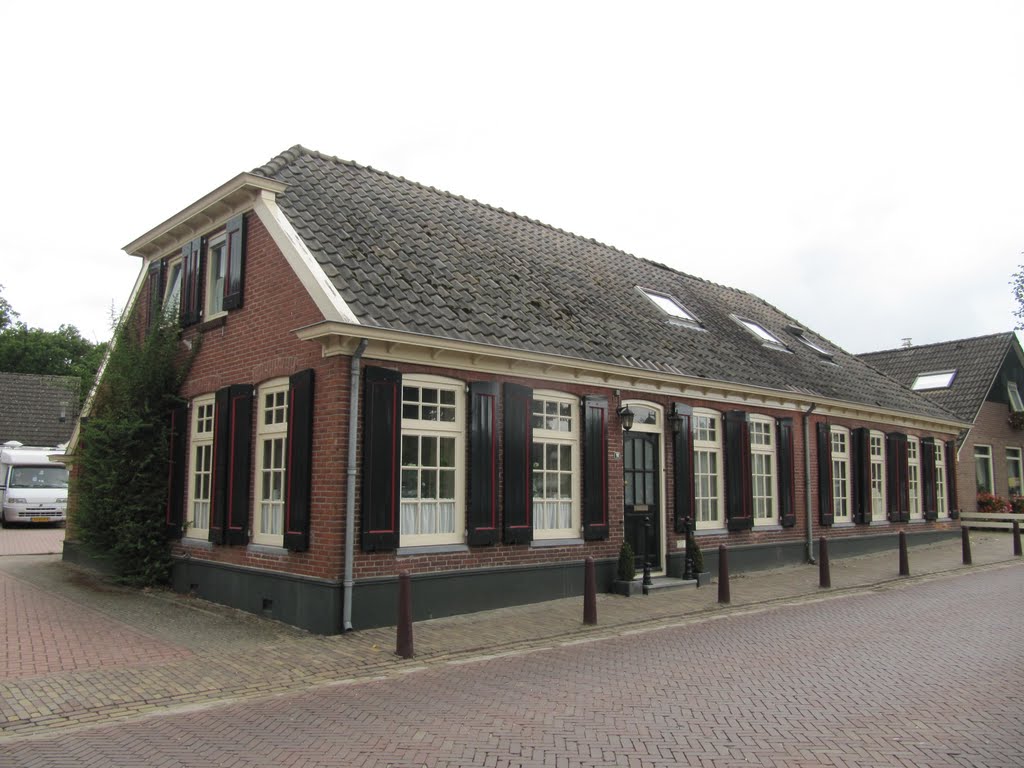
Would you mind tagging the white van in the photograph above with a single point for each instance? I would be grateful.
(33, 489)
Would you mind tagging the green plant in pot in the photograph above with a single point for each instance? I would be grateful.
(627, 562)
(698, 557)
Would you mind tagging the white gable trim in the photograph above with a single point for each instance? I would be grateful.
(326, 297)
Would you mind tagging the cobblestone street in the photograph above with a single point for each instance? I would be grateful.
(875, 663)
(924, 674)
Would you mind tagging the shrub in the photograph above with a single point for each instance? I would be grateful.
(123, 455)
(989, 503)
(698, 557)
(1017, 505)
(627, 562)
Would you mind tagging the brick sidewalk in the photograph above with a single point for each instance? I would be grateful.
(136, 653)
(31, 541)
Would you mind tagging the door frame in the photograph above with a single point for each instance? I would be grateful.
(658, 428)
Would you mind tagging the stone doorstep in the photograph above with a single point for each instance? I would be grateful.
(660, 583)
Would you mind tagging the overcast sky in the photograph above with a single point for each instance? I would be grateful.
(859, 165)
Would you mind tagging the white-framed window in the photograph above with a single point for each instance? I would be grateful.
(556, 465)
(271, 453)
(200, 469)
(1013, 471)
(670, 305)
(934, 380)
(841, 474)
(707, 468)
(172, 288)
(983, 468)
(914, 478)
(216, 274)
(877, 454)
(1014, 395)
(433, 461)
(941, 504)
(760, 332)
(764, 482)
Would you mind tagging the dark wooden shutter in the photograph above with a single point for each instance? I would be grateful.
(739, 499)
(826, 510)
(482, 525)
(175, 513)
(382, 428)
(929, 501)
(595, 468)
(952, 498)
(235, 245)
(518, 466)
(221, 456)
(785, 465)
(897, 487)
(299, 467)
(239, 459)
(860, 472)
(156, 292)
(191, 282)
(682, 439)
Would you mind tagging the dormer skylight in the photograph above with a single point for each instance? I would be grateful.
(670, 306)
(761, 333)
(933, 380)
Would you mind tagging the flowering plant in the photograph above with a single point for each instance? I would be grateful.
(989, 502)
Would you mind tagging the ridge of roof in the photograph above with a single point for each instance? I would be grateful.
(279, 162)
(907, 350)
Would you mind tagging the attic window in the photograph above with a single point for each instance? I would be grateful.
(670, 306)
(1014, 394)
(797, 331)
(760, 332)
(934, 380)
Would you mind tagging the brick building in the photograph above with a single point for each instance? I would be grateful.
(392, 377)
(980, 380)
(36, 409)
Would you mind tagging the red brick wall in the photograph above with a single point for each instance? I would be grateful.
(990, 428)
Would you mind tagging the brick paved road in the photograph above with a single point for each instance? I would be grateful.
(928, 674)
(35, 540)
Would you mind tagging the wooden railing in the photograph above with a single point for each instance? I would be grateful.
(995, 520)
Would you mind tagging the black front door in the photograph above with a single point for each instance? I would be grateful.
(642, 512)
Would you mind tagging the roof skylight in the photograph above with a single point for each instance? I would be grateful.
(760, 332)
(798, 332)
(934, 380)
(669, 305)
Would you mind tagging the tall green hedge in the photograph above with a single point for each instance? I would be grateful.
(123, 454)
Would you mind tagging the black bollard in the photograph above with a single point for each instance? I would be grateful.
(1016, 538)
(723, 575)
(904, 559)
(965, 545)
(824, 571)
(589, 592)
(403, 646)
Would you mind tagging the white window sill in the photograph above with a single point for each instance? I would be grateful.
(267, 549)
(767, 527)
(917, 520)
(709, 531)
(537, 543)
(431, 549)
(842, 524)
(196, 542)
(879, 522)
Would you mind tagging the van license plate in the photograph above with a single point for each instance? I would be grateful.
(40, 519)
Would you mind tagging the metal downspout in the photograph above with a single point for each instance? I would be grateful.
(350, 488)
(807, 485)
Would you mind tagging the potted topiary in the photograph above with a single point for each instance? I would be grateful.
(703, 577)
(624, 583)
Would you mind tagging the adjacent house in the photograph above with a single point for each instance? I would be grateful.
(36, 409)
(980, 380)
(395, 378)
